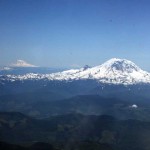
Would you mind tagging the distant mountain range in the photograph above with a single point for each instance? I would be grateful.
(114, 71)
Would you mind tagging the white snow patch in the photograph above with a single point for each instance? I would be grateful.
(134, 106)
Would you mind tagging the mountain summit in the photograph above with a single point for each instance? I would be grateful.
(22, 63)
(113, 71)
(122, 65)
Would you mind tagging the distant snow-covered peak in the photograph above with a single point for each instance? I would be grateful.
(22, 63)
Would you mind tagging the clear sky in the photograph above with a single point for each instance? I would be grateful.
(69, 33)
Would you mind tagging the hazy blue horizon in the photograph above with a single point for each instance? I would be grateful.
(69, 33)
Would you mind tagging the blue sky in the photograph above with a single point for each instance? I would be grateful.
(68, 33)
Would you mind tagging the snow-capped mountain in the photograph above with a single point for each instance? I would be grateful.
(18, 64)
(22, 63)
(22, 67)
(114, 71)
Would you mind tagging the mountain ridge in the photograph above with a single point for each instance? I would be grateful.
(114, 71)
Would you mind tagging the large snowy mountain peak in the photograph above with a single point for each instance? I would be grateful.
(117, 71)
(114, 71)
(120, 65)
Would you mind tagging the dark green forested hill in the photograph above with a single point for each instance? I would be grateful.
(49, 104)
(76, 131)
